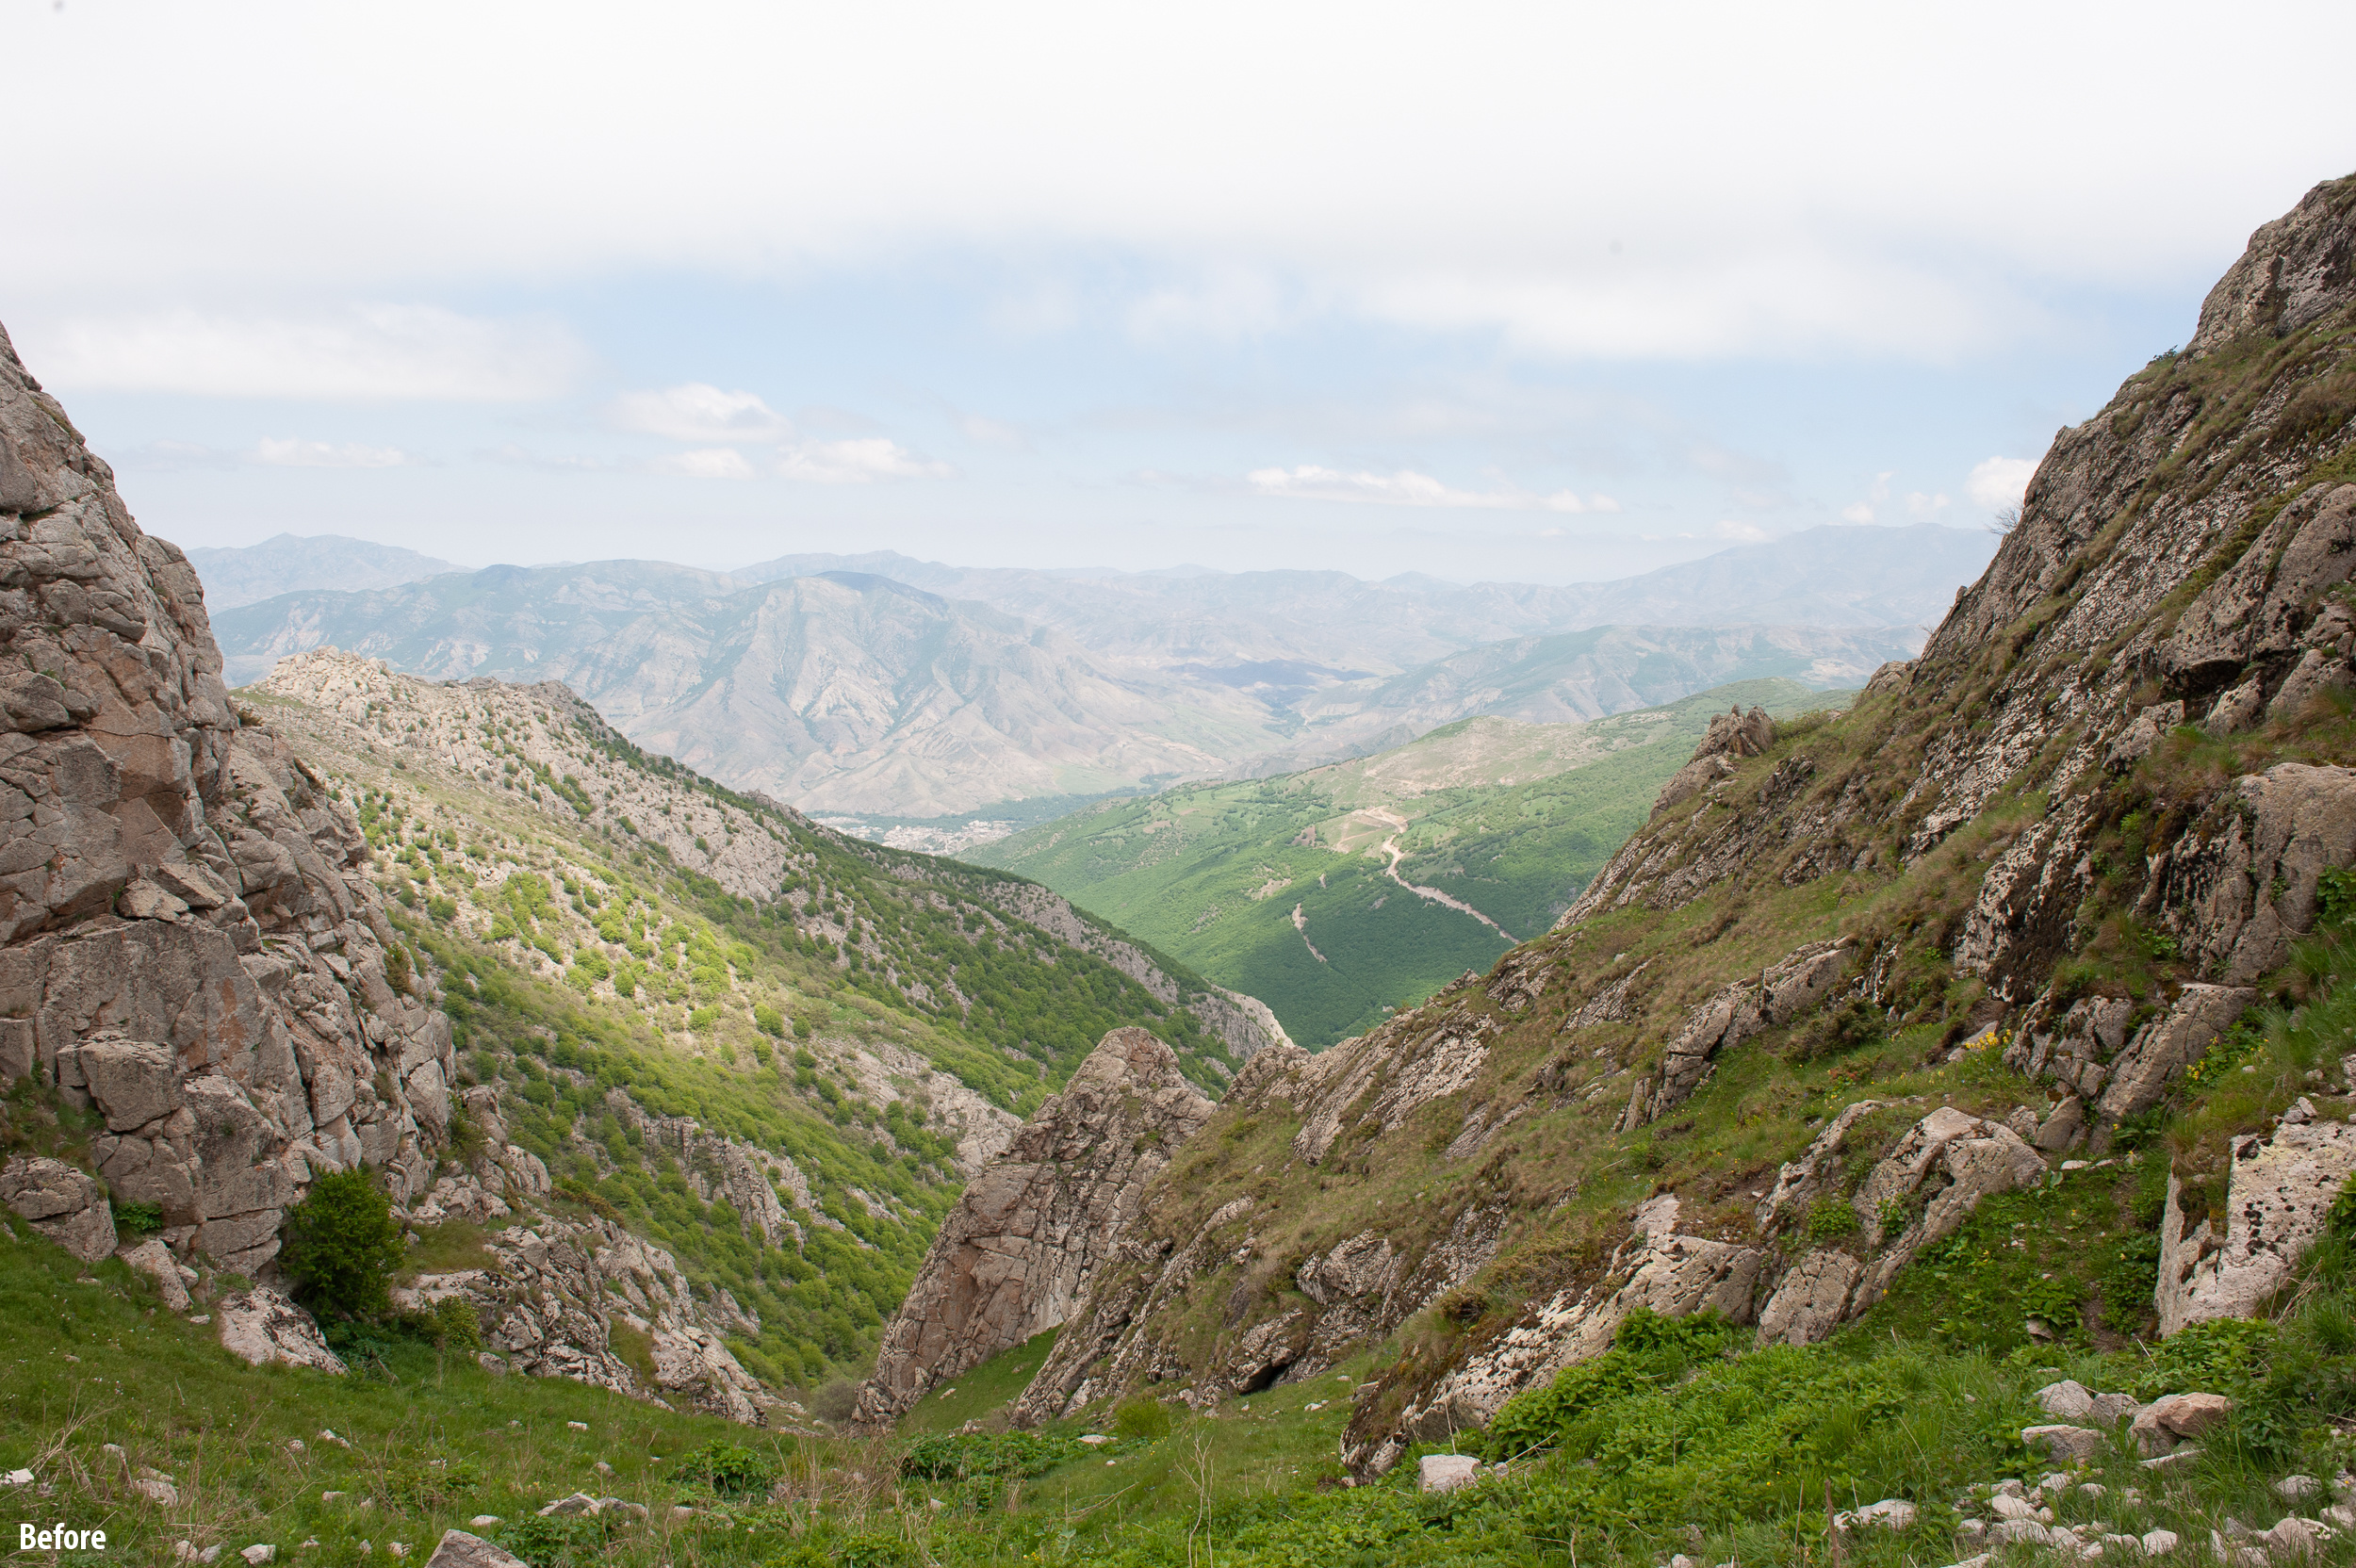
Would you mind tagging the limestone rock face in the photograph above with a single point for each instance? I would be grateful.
(261, 1326)
(2276, 1198)
(185, 941)
(63, 1204)
(1015, 1256)
(2164, 1048)
(1656, 1268)
(2243, 884)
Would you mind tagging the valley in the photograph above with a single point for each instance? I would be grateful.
(1302, 890)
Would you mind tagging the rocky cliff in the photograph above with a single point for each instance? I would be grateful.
(1026, 1240)
(2029, 882)
(188, 944)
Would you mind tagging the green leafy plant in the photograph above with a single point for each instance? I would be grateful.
(731, 1469)
(1829, 1218)
(137, 1219)
(1142, 1416)
(342, 1246)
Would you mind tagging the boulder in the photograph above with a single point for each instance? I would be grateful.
(2278, 1194)
(2076, 1444)
(2066, 1400)
(1446, 1472)
(154, 1260)
(63, 1204)
(1890, 1513)
(460, 1550)
(2190, 1414)
(261, 1326)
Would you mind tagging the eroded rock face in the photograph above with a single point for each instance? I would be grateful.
(2163, 1049)
(2276, 1198)
(1018, 1252)
(185, 941)
(2242, 886)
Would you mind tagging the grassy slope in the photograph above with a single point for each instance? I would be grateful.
(1212, 872)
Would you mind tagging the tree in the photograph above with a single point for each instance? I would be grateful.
(342, 1246)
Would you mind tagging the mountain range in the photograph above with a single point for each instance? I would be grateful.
(288, 562)
(912, 690)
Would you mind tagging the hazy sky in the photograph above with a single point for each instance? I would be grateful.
(1544, 291)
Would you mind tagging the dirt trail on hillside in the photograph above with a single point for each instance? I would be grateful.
(1390, 847)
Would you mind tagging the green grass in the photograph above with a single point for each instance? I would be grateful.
(979, 1390)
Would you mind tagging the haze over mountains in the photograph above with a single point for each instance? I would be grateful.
(915, 690)
(287, 562)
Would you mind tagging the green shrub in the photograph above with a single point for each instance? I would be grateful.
(342, 1246)
(1142, 1415)
(137, 1219)
(731, 1469)
(1830, 1219)
(450, 1323)
(769, 1020)
(576, 1540)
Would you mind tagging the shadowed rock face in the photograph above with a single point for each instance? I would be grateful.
(185, 941)
(1023, 1245)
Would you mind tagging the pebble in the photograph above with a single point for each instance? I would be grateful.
(576, 1426)
(482, 1521)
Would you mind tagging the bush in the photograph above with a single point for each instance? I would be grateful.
(450, 1324)
(578, 1541)
(1830, 1219)
(731, 1469)
(1142, 1415)
(769, 1020)
(137, 1219)
(342, 1247)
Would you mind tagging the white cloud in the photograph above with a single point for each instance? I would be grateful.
(705, 463)
(698, 411)
(274, 454)
(1406, 487)
(861, 462)
(373, 351)
(1999, 481)
(1742, 533)
(1921, 505)
(1863, 511)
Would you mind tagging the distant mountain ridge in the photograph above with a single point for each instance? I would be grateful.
(290, 562)
(877, 685)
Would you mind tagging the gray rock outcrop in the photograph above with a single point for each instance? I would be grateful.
(2277, 1196)
(1750, 1006)
(554, 1292)
(259, 1326)
(2163, 1049)
(187, 943)
(62, 1203)
(1016, 1255)
(1732, 735)
(1919, 1193)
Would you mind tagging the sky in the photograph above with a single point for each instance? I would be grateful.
(1546, 292)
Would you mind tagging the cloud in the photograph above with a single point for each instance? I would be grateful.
(860, 461)
(1999, 481)
(1862, 512)
(1742, 532)
(172, 457)
(705, 463)
(366, 352)
(273, 453)
(513, 456)
(1406, 487)
(700, 412)
(1921, 505)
